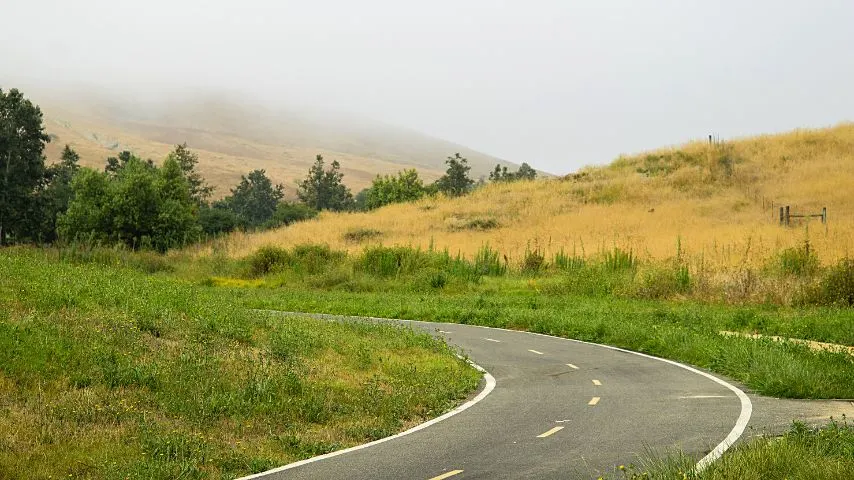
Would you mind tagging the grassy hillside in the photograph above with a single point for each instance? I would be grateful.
(233, 137)
(716, 206)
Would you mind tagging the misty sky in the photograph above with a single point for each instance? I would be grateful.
(556, 83)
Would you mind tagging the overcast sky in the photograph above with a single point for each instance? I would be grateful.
(556, 83)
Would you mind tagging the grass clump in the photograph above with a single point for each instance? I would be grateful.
(359, 235)
(803, 452)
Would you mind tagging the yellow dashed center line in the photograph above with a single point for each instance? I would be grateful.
(534, 351)
(593, 401)
(572, 366)
(447, 475)
(597, 383)
(550, 432)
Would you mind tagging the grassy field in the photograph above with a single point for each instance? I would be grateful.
(715, 207)
(107, 372)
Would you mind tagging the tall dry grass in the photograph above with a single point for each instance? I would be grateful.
(718, 203)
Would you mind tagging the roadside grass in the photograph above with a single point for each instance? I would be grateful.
(107, 372)
(595, 301)
(683, 332)
(801, 453)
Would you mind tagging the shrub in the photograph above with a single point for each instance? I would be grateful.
(313, 259)
(664, 282)
(534, 261)
(266, 260)
(836, 287)
(798, 261)
(391, 261)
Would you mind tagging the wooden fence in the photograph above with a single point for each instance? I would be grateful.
(786, 216)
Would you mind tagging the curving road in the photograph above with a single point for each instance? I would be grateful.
(559, 409)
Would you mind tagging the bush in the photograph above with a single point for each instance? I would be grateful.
(836, 287)
(313, 259)
(664, 282)
(798, 261)
(534, 261)
(267, 260)
(392, 261)
(288, 213)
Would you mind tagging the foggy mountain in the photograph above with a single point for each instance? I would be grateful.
(233, 136)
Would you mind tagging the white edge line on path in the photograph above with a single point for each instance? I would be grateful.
(716, 453)
(487, 389)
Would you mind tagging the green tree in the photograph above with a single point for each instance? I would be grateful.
(500, 173)
(54, 196)
(217, 218)
(324, 189)
(137, 204)
(405, 187)
(200, 191)
(288, 213)
(456, 180)
(115, 164)
(525, 172)
(254, 199)
(22, 141)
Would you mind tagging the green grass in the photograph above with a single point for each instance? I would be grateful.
(803, 453)
(108, 372)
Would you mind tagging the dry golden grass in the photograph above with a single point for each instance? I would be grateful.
(223, 158)
(724, 222)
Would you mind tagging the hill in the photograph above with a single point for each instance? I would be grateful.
(233, 137)
(715, 204)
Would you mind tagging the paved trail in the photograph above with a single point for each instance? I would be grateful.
(559, 409)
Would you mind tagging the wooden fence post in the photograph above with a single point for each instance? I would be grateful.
(824, 215)
(787, 216)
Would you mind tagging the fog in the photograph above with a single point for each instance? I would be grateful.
(556, 83)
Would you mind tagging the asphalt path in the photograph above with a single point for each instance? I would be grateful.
(557, 408)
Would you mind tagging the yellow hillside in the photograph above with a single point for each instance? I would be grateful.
(720, 202)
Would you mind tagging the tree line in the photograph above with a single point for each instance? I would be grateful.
(140, 204)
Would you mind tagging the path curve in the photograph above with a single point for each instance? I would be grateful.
(613, 404)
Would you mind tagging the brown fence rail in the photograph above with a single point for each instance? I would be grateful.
(786, 216)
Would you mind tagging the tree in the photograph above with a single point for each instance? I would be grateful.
(254, 199)
(288, 213)
(115, 164)
(217, 218)
(456, 180)
(22, 141)
(500, 173)
(525, 172)
(54, 196)
(404, 187)
(200, 191)
(324, 189)
(137, 204)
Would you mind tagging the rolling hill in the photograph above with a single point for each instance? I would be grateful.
(233, 137)
(716, 205)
